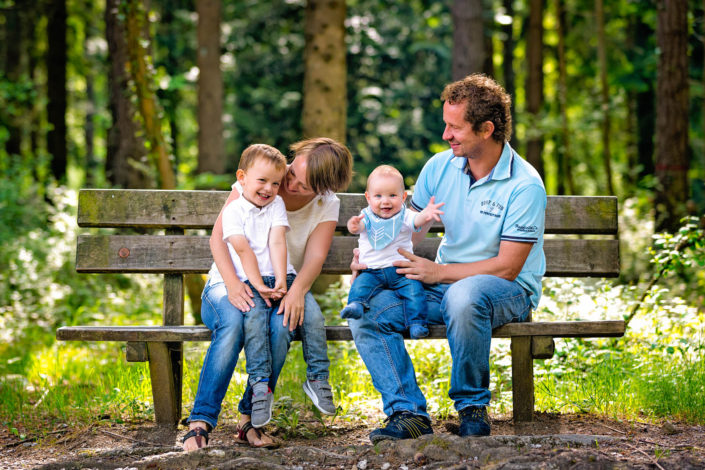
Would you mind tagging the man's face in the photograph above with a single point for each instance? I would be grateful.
(459, 133)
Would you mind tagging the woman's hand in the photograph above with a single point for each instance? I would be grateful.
(292, 306)
(355, 265)
(240, 295)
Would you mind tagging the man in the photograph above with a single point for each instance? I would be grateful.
(487, 271)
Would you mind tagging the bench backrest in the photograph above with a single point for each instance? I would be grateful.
(581, 233)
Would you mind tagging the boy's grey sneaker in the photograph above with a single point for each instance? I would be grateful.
(319, 392)
(262, 398)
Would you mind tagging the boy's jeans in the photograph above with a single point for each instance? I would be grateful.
(227, 340)
(370, 281)
(470, 308)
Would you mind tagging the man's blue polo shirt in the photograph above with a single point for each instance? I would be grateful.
(508, 204)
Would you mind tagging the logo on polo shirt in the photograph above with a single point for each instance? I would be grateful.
(491, 208)
(526, 228)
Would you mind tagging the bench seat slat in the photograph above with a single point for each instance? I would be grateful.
(565, 329)
(191, 254)
(154, 209)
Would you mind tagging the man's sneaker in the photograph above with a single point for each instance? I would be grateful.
(353, 310)
(262, 399)
(320, 394)
(402, 425)
(474, 421)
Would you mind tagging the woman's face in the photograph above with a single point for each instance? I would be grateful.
(295, 179)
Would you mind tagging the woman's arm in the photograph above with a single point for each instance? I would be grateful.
(317, 247)
(239, 293)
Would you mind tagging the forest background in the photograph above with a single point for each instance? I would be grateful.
(608, 99)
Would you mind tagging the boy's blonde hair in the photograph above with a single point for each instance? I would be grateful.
(386, 170)
(328, 164)
(255, 151)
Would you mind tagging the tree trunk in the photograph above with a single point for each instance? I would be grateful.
(468, 38)
(56, 87)
(211, 148)
(645, 103)
(325, 88)
(135, 28)
(565, 171)
(534, 85)
(672, 115)
(13, 68)
(508, 60)
(604, 94)
(126, 157)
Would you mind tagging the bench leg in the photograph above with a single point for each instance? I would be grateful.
(165, 364)
(522, 379)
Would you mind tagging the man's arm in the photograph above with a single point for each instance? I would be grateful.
(507, 264)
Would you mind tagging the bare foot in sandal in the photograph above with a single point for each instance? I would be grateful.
(254, 437)
(197, 436)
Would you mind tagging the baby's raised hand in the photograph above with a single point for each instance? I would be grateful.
(355, 224)
(429, 213)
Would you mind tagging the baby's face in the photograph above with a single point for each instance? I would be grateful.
(260, 183)
(385, 194)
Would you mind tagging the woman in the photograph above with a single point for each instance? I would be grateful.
(321, 166)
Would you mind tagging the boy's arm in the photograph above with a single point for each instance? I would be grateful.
(424, 219)
(277, 253)
(249, 264)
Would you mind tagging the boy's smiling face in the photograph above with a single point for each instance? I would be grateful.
(260, 182)
(385, 194)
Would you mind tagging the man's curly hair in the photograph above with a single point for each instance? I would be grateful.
(486, 101)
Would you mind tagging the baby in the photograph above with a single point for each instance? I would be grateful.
(386, 225)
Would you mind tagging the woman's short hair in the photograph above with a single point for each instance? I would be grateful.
(486, 101)
(328, 164)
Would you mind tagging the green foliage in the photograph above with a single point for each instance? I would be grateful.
(682, 255)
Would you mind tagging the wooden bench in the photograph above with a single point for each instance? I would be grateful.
(174, 253)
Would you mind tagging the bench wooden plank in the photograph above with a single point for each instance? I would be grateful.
(191, 254)
(564, 329)
(157, 209)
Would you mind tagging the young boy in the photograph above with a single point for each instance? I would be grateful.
(385, 225)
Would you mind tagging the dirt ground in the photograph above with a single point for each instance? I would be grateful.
(551, 441)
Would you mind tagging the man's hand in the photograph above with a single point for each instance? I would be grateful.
(355, 265)
(429, 213)
(418, 268)
(240, 295)
(355, 224)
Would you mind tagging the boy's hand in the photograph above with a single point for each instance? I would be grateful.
(355, 224)
(279, 290)
(266, 293)
(429, 213)
(240, 295)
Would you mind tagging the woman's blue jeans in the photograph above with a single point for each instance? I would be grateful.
(470, 308)
(227, 340)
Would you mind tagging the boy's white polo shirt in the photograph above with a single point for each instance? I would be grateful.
(508, 204)
(241, 217)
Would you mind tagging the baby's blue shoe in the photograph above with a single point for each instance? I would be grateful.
(417, 331)
(353, 310)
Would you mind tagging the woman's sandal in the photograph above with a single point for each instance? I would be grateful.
(198, 433)
(241, 437)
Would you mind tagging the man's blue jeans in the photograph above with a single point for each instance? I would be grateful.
(370, 281)
(227, 340)
(470, 308)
